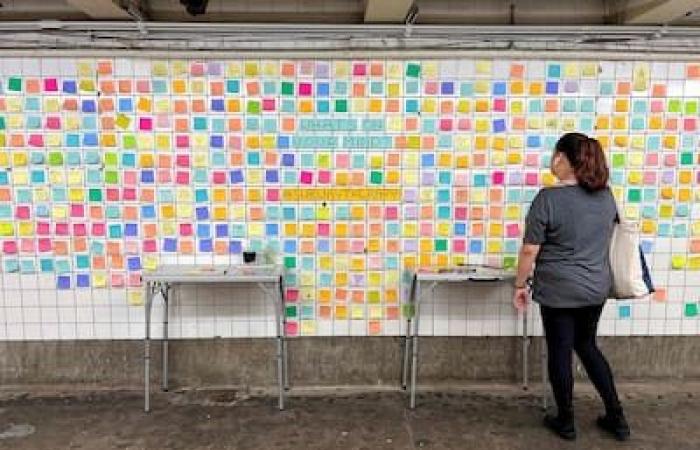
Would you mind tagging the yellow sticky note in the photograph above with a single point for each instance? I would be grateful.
(99, 280)
(256, 229)
(144, 104)
(20, 177)
(233, 69)
(159, 68)
(25, 229)
(85, 68)
(251, 69)
(56, 176)
(6, 229)
(358, 312)
(184, 211)
(483, 67)
(135, 298)
(86, 85)
(122, 121)
(75, 177)
(678, 262)
(640, 77)
(494, 246)
(53, 140)
(59, 212)
(308, 327)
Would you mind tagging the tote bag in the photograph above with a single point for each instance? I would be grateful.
(630, 273)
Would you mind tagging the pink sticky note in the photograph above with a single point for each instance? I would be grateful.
(359, 70)
(461, 213)
(657, 106)
(27, 245)
(145, 123)
(431, 88)
(649, 177)
(342, 160)
(458, 245)
(143, 86)
(163, 121)
(532, 160)
(53, 123)
(652, 159)
(36, 140)
(182, 141)
(464, 124)
(461, 179)
(129, 194)
(324, 176)
(357, 246)
(445, 124)
(513, 230)
(182, 178)
(268, 104)
(531, 179)
(50, 85)
(77, 210)
(185, 229)
(43, 229)
(44, 245)
(499, 105)
(670, 160)
(197, 69)
(306, 177)
(426, 229)
(131, 247)
(219, 177)
(117, 280)
(272, 195)
(498, 177)
(305, 89)
(98, 229)
(690, 124)
(9, 247)
(182, 160)
(291, 329)
(292, 295)
(234, 142)
(149, 246)
(130, 178)
(391, 213)
(22, 212)
(324, 229)
(113, 195)
(79, 229)
(164, 176)
(62, 229)
(134, 280)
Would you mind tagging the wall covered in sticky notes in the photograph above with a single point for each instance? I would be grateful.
(353, 171)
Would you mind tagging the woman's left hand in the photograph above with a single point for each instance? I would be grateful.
(521, 298)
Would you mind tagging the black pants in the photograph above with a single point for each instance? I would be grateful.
(568, 329)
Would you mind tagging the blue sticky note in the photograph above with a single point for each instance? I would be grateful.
(236, 176)
(125, 104)
(90, 139)
(447, 88)
(11, 265)
(203, 230)
(216, 141)
(129, 159)
(38, 176)
(647, 246)
(323, 106)
(290, 246)
(221, 230)
(217, 104)
(499, 88)
(322, 89)
(201, 195)
(134, 263)
(466, 89)
(82, 280)
(147, 176)
(235, 247)
(271, 229)
(460, 229)
(323, 245)
(169, 245)
(476, 246)
(499, 125)
(88, 106)
(46, 265)
(534, 142)
(480, 180)
(411, 106)
(131, 229)
(115, 231)
(70, 87)
(554, 71)
(625, 311)
(63, 282)
(552, 87)
(72, 140)
(272, 176)
(233, 86)
(428, 160)
(444, 212)
(160, 87)
(205, 245)
(202, 213)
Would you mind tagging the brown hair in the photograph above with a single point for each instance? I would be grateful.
(586, 158)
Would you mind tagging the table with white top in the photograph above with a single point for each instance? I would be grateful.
(268, 278)
(423, 284)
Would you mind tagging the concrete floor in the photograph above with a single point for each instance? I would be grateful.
(662, 416)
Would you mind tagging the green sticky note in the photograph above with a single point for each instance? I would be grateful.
(55, 159)
(111, 159)
(618, 160)
(95, 195)
(687, 159)
(413, 70)
(691, 107)
(674, 106)
(691, 309)
(287, 88)
(111, 177)
(2, 123)
(341, 106)
(408, 310)
(14, 84)
(290, 262)
(253, 107)
(440, 245)
(509, 262)
(634, 195)
(290, 311)
(375, 177)
(129, 141)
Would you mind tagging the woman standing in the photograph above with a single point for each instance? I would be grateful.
(567, 236)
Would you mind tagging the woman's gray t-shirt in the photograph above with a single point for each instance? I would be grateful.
(573, 228)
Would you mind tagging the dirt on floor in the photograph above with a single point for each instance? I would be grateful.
(662, 416)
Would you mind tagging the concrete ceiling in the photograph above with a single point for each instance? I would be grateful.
(424, 12)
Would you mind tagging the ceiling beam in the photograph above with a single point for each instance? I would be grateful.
(100, 9)
(387, 11)
(659, 12)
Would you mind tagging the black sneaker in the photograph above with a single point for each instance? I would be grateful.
(561, 427)
(615, 425)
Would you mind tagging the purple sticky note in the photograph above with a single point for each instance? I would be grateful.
(499, 125)
(410, 195)
(322, 70)
(427, 178)
(214, 68)
(410, 245)
(63, 282)
(571, 86)
(410, 212)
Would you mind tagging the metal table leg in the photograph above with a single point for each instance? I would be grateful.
(150, 289)
(525, 350)
(165, 292)
(276, 297)
(407, 336)
(414, 344)
(285, 353)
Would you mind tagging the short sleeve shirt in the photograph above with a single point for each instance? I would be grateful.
(573, 228)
